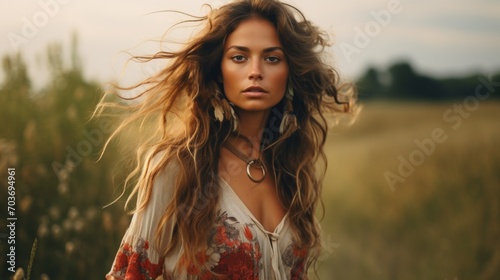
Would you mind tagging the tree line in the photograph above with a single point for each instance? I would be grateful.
(401, 82)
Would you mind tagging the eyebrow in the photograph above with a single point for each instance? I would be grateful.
(245, 49)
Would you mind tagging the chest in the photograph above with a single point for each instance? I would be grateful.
(259, 198)
(238, 248)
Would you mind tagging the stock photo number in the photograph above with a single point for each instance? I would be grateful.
(11, 219)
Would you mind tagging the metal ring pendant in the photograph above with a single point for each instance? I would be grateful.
(256, 163)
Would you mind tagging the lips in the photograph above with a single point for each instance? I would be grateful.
(254, 89)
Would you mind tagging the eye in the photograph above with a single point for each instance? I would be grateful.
(273, 59)
(238, 58)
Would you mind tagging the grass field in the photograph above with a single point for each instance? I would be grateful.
(440, 221)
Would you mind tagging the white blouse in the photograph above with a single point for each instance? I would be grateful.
(238, 245)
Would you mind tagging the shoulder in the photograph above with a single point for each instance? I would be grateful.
(167, 169)
(164, 175)
(157, 183)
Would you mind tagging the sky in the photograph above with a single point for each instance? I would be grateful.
(441, 38)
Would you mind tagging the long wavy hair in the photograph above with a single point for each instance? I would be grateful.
(179, 98)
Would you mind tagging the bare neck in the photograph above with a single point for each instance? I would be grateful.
(251, 125)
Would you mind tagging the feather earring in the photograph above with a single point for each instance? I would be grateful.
(223, 110)
(233, 114)
(216, 104)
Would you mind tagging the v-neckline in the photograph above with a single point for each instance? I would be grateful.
(278, 227)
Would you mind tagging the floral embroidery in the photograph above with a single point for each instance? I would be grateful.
(231, 254)
(234, 253)
(294, 259)
(134, 263)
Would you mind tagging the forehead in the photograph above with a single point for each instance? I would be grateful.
(254, 32)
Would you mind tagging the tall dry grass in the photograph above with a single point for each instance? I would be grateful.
(442, 222)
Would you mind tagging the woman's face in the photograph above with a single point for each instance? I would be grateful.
(254, 66)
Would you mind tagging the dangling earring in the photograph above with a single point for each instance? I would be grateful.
(223, 109)
(219, 106)
(289, 122)
(233, 114)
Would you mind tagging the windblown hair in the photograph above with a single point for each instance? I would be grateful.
(179, 98)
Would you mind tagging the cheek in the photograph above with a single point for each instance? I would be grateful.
(224, 72)
(281, 79)
(228, 75)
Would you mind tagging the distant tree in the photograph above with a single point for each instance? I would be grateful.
(402, 80)
(404, 83)
(15, 96)
(61, 187)
(369, 85)
(428, 88)
(407, 84)
(459, 87)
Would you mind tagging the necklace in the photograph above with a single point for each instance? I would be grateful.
(255, 163)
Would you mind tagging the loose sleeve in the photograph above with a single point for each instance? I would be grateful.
(139, 256)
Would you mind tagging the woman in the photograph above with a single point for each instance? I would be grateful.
(228, 188)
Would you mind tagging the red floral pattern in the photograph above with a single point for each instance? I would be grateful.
(234, 253)
(295, 259)
(230, 254)
(132, 264)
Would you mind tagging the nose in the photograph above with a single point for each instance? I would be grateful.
(256, 71)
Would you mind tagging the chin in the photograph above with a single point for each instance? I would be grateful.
(255, 109)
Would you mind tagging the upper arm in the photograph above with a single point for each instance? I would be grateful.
(139, 252)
